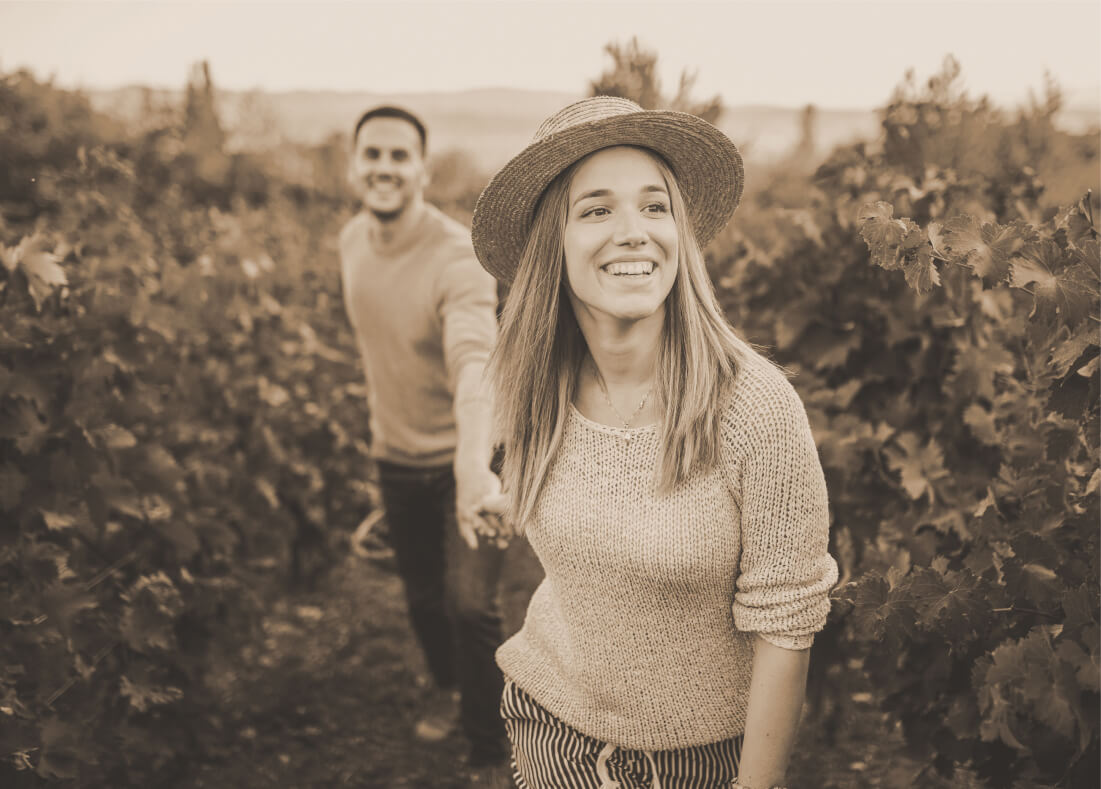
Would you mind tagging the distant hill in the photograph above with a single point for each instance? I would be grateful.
(491, 124)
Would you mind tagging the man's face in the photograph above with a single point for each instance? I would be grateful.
(387, 166)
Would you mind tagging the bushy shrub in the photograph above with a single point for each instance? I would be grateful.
(941, 317)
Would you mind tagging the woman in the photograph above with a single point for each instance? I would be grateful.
(663, 471)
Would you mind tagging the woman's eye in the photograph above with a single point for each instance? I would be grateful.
(657, 208)
(595, 211)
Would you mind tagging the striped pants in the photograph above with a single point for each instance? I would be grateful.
(549, 754)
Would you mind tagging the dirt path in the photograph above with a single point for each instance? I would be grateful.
(329, 695)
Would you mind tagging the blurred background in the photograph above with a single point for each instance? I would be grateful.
(183, 445)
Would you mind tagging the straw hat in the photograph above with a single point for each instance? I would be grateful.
(706, 163)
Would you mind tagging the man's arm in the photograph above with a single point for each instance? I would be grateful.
(776, 693)
(468, 303)
(478, 499)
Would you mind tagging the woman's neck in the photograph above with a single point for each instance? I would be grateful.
(617, 379)
(625, 354)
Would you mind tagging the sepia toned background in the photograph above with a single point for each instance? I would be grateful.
(183, 441)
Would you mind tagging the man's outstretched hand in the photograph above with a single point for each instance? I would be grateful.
(481, 507)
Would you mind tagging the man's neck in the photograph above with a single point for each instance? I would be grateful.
(390, 234)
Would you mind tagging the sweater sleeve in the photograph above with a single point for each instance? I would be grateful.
(467, 301)
(346, 258)
(785, 573)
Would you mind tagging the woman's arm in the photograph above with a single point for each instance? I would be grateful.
(776, 692)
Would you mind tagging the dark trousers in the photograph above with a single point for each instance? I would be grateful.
(452, 594)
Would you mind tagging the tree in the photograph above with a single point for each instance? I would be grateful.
(202, 128)
(633, 76)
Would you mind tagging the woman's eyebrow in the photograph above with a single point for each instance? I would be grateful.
(606, 192)
(592, 193)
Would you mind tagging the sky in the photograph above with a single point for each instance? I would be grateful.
(833, 54)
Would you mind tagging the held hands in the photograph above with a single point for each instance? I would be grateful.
(480, 505)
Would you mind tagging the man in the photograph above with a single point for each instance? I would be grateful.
(424, 315)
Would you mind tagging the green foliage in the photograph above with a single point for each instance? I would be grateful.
(177, 399)
(952, 386)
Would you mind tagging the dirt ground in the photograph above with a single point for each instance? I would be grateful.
(328, 696)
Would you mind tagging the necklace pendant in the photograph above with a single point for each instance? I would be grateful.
(608, 399)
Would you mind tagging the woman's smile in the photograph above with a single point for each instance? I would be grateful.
(629, 268)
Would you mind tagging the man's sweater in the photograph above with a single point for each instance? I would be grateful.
(421, 312)
(641, 633)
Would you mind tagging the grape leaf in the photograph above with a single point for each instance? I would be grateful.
(28, 387)
(1060, 439)
(1032, 584)
(64, 602)
(155, 508)
(950, 601)
(997, 711)
(1089, 255)
(18, 418)
(982, 424)
(1077, 222)
(917, 261)
(1067, 352)
(148, 623)
(829, 348)
(937, 240)
(117, 494)
(114, 437)
(1029, 671)
(56, 521)
(975, 371)
(883, 234)
(1069, 291)
(789, 327)
(41, 269)
(834, 399)
(46, 563)
(142, 695)
(918, 466)
(868, 597)
(182, 537)
(880, 610)
(986, 248)
(1031, 547)
(1086, 666)
(845, 441)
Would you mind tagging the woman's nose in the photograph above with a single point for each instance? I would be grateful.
(629, 230)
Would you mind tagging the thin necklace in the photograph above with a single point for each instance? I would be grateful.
(604, 389)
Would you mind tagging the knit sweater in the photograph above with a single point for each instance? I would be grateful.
(641, 633)
(421, 311)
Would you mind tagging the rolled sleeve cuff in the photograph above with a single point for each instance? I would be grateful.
(788, 641)
(788, 614)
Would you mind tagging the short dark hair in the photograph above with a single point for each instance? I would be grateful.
(389, 111)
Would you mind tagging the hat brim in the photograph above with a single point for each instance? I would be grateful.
(706, 163)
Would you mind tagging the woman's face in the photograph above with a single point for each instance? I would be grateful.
(620, 239)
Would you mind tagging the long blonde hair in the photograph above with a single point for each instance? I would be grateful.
(535, 366)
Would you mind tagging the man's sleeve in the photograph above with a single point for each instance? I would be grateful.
(468, 311)
(343, 243)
